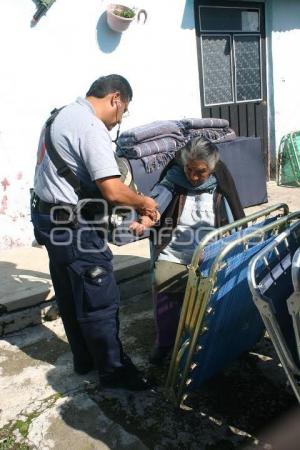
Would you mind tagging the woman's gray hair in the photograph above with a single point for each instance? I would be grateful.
(200, 149)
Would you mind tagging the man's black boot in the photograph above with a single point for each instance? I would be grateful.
(126, 377)
(83, 367)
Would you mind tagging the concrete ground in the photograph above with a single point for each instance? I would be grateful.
(44, 405)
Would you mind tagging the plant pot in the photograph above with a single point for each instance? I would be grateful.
(116, 20)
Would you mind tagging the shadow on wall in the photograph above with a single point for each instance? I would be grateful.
(107, 39)
(188, 20)
(285, 15)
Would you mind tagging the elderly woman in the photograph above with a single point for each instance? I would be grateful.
(196, 195)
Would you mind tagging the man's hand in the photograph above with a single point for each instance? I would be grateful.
(148, 208)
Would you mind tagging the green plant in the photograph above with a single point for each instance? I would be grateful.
(127, 13)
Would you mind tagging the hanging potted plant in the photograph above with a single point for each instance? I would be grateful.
(119, 17)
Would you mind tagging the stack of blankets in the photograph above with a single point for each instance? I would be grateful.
(156, 143)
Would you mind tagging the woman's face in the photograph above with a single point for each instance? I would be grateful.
(196, 171)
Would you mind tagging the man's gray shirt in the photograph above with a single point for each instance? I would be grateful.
(84, 143)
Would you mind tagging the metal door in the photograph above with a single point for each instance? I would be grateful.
(232, 65)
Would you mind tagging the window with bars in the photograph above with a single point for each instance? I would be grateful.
(231, 61)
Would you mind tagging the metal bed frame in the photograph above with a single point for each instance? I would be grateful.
(294, 302)
(274, 280)
(196, 308)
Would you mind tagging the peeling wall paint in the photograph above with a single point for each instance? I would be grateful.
(16, 229)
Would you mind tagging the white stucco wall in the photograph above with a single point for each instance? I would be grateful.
(283, 20)
(53, 63)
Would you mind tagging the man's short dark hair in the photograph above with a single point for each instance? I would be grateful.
(108, 84)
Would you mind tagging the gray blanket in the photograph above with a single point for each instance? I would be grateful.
(194, 123)
(158, 145)
(157, 142)
(213, 134)
(151, 131)
(157, 162)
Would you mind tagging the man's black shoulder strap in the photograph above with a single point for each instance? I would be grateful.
(63, 170)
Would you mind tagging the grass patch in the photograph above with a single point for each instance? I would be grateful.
(7, 437)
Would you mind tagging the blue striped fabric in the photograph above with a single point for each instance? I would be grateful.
(280, 287)
(235, 325)
(213, 249)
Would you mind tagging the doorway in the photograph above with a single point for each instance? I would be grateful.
(232, 65)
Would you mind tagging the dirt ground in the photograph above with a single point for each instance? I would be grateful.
(44, 405)
(241, 408)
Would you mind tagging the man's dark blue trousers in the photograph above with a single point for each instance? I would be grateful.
(85, 289)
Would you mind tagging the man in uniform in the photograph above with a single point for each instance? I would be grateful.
(80, 261)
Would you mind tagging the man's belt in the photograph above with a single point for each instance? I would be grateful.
(62, 210)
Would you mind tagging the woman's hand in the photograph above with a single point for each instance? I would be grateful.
(138, 227)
